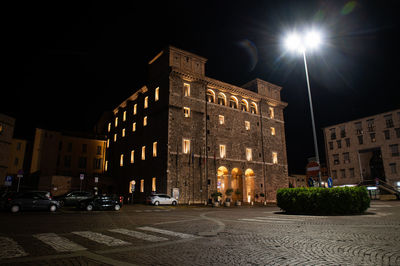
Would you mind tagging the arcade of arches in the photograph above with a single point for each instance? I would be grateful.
(236, 181)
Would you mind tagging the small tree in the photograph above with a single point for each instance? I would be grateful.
(215, 195)
(228, 193)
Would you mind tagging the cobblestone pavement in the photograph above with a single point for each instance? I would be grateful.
(218, 236)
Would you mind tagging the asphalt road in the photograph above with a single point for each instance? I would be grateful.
(188, 235)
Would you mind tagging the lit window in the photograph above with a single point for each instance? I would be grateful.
(115, 137)
(153, 184)
(253, 108)
(141, 185)
(106, 166)
(132, 156)
(221, 119)
(271, 112)
(146, 102)
(108, 143)
(244, 105)
(249, 155)
(145, 121)
(272, 131)
(124, 116)
(123, 132)
(221, 99)
(157, 94)
(186, 111)
(143, 152)
(135, 109)
(222, 151)
(233, 102)
(121, 160)
(210, 96)
(109, 127)
(247, 125)
(186, 146)
(132, 186)
(116, 121)
(274, 157)
(154, 149)
(186, 89)
(134, 127)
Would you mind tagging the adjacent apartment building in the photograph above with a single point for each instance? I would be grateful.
(6, 133)
(189, 135)
(365, 149)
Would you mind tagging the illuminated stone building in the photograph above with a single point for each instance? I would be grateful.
(365, 149)
(189, 135)
(6, 134)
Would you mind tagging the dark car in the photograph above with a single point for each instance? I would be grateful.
(103, 202)
(73, 198)
(32, 201)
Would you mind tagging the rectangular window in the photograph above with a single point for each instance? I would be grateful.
(370, 125)
(186, 89)
(157, 94)
(394, 149)
(108, 143)
(339, 143)
(274, 157)
(116, 121)
(334, 174)
(346, 157)
(360, 139)
(247, 125)
(222, 151)
(109, 127)
(351, 172)
(221, 119)
(372, 136)
(115, 137)
(123, 132)
(145, 121)
(249, 155)
(333, 133)
(272, 131)
(132, 156)
(336, 159)
(154, 149)
(97, 163)
(358, 127)
(343, 173)
(331, 145)
(342, 131)
(387, 134)
(186, 146)
(389, 121)
(121, 160)
(106, 166)
(271, 112)
(143, 152)
(98, 150)
(397, 132)
(146, 102)
(142, 185)
(153, 184)
(134, 127)
(347, 142)
(135, 109)
(186, 111)
(124, 116)
(393, 168)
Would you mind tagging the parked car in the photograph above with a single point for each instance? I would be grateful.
(72, 198)
(31, 200)
(103, 202)
(161, 199)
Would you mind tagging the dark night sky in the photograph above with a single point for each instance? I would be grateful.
(67, 61)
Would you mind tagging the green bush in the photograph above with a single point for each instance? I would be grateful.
(340, 200)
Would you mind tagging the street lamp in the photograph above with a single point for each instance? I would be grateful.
(300, 44)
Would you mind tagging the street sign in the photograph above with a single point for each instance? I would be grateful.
(312, 169)
(96, 179)
(330, 182)
(82, 176)
(8, 181)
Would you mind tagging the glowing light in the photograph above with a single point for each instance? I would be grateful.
(300, 43)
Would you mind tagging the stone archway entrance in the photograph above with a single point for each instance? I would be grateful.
(222, 180)
(249, 185)
(237, 184)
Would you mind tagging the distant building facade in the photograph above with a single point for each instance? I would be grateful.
(6, 134)
(17, 157)
(365, 149)
(189, 135)
(61, 158)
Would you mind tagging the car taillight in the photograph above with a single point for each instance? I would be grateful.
(121, 199)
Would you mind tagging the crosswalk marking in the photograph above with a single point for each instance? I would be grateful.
(59, 243)
(10, 249)
(102, 239)
(165, 232)
(139, 235)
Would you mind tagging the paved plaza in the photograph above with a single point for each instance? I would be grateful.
(197, 235)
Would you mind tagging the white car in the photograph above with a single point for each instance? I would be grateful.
(161, 199)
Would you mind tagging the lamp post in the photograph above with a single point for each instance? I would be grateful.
(295, 42)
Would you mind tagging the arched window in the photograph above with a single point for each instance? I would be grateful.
(233, 102)
(244, 105)
(253, 108)
(221, 99)
(210, 96)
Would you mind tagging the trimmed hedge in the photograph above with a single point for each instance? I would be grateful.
(340, 200)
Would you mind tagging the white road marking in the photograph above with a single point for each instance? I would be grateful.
(10, 249)
(264, 221)
(102, 239)
(280, 219)
(139, 235)
(165, 232)
(380, 206)
(59, 243)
